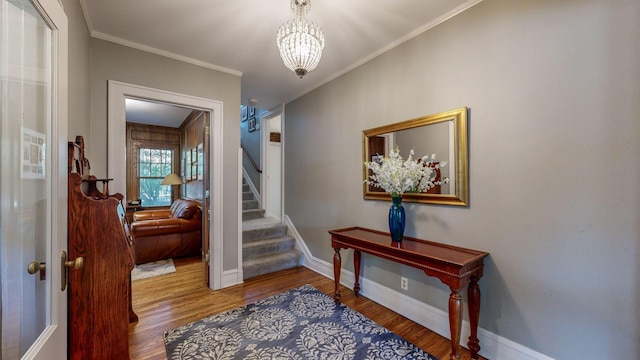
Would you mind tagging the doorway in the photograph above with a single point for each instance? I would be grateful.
(118, 93)
(271, 158)
(273, 168)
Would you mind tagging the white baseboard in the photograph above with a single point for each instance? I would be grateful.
(492, 346)
(231, 278)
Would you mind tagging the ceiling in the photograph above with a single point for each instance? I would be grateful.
(239, 36)
(154, 113)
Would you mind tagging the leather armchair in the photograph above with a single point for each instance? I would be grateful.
(167, 233)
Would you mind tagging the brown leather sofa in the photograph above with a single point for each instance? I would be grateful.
(167, 233)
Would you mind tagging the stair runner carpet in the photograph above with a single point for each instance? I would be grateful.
(266, 247)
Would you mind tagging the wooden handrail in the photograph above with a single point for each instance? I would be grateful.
(253, 162)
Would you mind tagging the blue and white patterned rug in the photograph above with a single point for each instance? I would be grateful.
(302, 323)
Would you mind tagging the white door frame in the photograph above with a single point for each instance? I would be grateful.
(116, 161)
(264, 144)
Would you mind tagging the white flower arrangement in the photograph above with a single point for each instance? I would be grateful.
(397, 177)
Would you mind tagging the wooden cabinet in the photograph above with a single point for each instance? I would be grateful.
(100, 291)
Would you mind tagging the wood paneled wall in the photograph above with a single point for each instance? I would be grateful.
(147, 136)
(193, 137)
(189, 136)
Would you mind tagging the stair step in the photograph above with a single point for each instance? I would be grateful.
(247, 195)
(267, 246)
(245, 187)
(264, 228)
(252, 214)
(270, 263)
(249, 204)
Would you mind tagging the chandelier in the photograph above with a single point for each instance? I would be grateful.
(300, 41)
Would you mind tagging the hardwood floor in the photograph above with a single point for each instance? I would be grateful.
(165, 302)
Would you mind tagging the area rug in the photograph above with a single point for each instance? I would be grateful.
(298, 324)
(152, 269)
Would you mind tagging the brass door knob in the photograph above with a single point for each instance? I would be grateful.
(35, 267)
(65, 264)
(78, 263)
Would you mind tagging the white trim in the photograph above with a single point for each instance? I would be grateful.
(85, 13)
(252, 187)
(231, 278)
(135, 45)
(300, 245)
(116, 161)
(239, 272)
(264, 143)
(170, 55)
(262, 200)
(492, 346)
(216, 182)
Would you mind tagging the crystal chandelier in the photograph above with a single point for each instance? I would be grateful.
(300, 41)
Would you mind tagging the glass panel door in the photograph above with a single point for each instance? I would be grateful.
(26, 187)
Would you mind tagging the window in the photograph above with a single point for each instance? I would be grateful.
(153, 166)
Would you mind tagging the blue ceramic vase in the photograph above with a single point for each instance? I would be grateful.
(396, 219)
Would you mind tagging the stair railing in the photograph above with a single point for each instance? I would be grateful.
(253, 162)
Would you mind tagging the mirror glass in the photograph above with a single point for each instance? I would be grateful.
(443, 134)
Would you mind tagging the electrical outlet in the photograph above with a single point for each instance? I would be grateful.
(404, 283)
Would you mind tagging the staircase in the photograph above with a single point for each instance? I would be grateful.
(266, 247)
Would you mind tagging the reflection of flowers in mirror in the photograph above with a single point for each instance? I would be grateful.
(397, 176)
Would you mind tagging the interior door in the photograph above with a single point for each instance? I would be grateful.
(273, 167)
(271, 159)
(377, 147)
(206, 211)
(33, 137)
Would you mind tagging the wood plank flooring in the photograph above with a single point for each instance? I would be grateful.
(165, 302)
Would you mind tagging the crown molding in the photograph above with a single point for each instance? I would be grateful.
(467, 5)
(114, 39)
(168, 54)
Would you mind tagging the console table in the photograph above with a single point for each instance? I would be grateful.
(456, 267)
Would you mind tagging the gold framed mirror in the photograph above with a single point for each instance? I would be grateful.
(444, 134)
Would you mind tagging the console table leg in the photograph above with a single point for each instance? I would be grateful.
(473, 294)
(356, 269)
(337, 264)
(455, 323)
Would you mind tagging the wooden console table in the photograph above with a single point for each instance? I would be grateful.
(456, 267)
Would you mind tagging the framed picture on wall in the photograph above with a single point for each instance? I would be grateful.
(182, 167)
(244, 112)
(252, 124)
(187, 165)
(194, 163)
(252, 112)
(200, 162)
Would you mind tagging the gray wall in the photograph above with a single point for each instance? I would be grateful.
(251, 141)
(79, 100)
(553, 89)
(92, 62)
(110, 61)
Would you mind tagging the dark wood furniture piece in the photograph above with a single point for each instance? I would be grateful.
(99, 297)
(456, 267)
